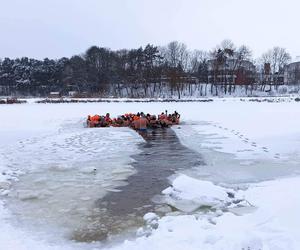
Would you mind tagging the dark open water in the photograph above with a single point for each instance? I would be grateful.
(161, 155)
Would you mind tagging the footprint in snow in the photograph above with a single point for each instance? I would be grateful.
(265, 149)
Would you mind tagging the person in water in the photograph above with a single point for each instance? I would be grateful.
(108, 119)
(93, 121)
(143, 122)
(138, 121)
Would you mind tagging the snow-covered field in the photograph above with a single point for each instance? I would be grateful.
(251, 152)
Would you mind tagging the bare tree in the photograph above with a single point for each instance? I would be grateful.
(176, 54)
(239, 58)
(176, 57)
(197, 57)
(278, 58)
(219, 58)
(199, 68)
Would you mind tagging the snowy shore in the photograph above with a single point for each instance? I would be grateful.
(251, 150)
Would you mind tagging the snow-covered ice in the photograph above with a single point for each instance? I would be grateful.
(250, 179)
(63, 168)
(187, 199)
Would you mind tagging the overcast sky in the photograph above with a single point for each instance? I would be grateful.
(57, 28)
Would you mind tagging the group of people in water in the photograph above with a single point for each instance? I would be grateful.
(139, 121)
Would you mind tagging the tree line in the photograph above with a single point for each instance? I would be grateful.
(147, 70)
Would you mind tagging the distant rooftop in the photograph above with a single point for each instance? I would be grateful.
(297, 59)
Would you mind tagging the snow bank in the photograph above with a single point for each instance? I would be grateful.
(265, 227)
(188, 194)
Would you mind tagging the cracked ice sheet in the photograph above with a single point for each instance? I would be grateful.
(63, 167)
(65, 174)
(242, 141)
(270, 130)
(224, 164)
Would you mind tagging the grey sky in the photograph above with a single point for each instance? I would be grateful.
(56, 28)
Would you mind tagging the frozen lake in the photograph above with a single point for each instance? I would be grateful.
(65, 182)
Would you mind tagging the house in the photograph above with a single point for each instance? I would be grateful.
(265, 76)
(292, 73)
(231, 72)
(72, 93)
(54, 95)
